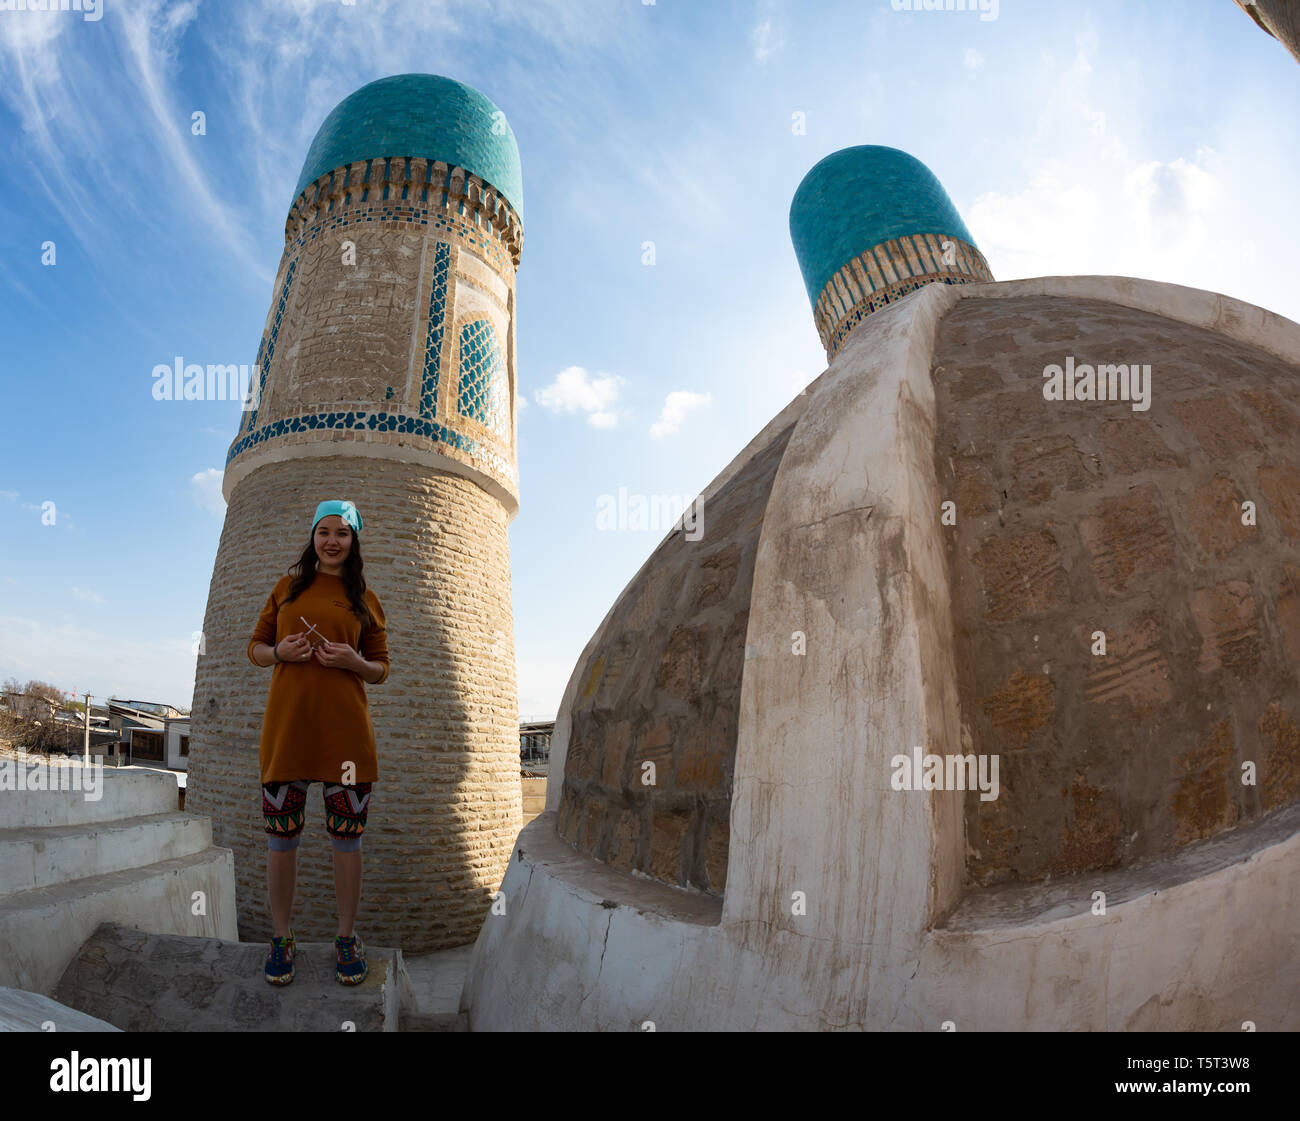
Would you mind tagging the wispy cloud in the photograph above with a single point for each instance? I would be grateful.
(767, 40)
(69, 654)
(1103, 210)
(676, 405)
(768, 35)
(86, 595)
(205, 486)
(576, 391)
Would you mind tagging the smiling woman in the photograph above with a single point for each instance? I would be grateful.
(317, 723)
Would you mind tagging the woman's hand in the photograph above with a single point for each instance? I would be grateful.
(338, 655)
(294, 647)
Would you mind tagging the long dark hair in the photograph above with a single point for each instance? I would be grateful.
(354, 582)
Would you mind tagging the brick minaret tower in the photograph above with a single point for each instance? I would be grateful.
(386, 375)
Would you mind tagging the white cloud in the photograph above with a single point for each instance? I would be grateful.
(1102, 204)
(767, 40)
(1158, 220)
(574, 390)
(676, 405)
(10, 495)
(86, 595)
(971, 59)
(34, 28)
(768, 35)
(205, 486)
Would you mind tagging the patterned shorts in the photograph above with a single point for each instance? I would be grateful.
(284, 805)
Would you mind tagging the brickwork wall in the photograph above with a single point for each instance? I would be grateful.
(370, 350)
(446, 809)
(665, 689)
(1075, 517)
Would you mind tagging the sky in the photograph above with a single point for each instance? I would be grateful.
(1154, 140)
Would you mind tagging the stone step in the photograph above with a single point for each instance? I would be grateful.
(41, 930)
(164, 982)
(24, 1011)
(43, 856)
(437, 981)
(84, 795)
(434, 1021)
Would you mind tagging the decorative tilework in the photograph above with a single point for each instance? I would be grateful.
(246, 424)
(433, 338)
(482, 376)
(421, 115)
(357, 419)
(270, 345)
(862, 197)
(890, 271)
(491, 248)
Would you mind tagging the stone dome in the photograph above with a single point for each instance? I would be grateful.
(423, 115)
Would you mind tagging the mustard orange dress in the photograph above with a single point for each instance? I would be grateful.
(317, 717)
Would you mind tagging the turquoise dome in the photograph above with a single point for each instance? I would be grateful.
(422, 115)
(858, 197)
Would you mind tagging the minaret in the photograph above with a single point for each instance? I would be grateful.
(869, 225)
(386, 375)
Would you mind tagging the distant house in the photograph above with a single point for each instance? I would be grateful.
(534, 762)
(535, 744)
(156, 734)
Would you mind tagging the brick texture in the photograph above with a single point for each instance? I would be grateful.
(662, 696)
(1082, 517)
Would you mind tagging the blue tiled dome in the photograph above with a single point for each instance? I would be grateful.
(858, 197)
(419, 115)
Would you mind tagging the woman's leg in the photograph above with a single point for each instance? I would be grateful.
(346, 808)
(347, 885)
(281, 879)
(283, 806)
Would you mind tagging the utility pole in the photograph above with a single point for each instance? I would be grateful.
(87, 724)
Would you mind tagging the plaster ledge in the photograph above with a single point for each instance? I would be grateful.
(1015, 905)
(541, 847)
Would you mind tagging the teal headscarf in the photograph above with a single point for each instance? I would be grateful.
(344, 510)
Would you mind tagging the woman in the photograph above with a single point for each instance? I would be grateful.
(324, 633)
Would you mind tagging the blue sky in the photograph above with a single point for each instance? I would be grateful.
(1154, 140)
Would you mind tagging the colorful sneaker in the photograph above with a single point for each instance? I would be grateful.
(279, 962)
(350, 958)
